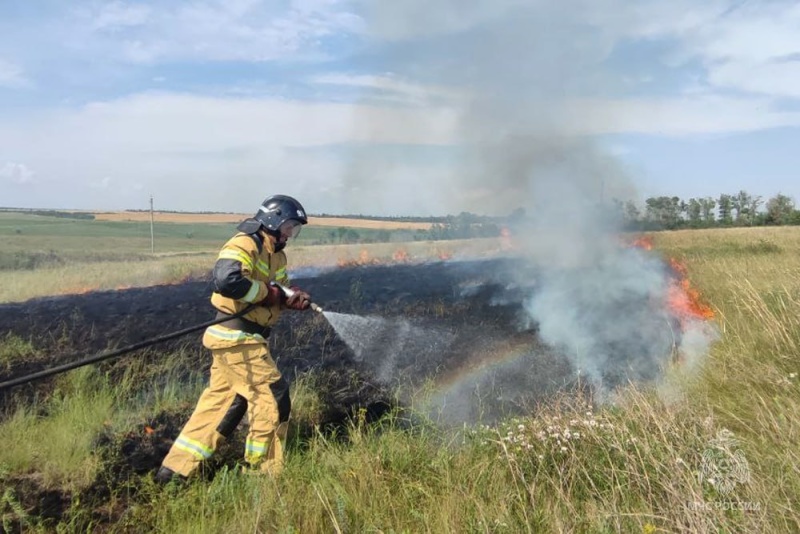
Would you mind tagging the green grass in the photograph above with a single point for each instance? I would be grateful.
(629, 467)
(103, 239)
(13, 349)
(53, 440)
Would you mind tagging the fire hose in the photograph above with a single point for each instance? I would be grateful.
(136, 346)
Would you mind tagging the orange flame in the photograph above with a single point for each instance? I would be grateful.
(363, 259)
(644, 242)
(683, 299)
(400, 255)
(148, 430)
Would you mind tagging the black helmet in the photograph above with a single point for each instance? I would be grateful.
(278, 210)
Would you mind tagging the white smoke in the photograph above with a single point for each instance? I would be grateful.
(508, 72)
(516, 66)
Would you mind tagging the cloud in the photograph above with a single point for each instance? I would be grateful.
(206, 152)
(214, 152)
(16, 173)
(415, 19)
(115, 15)
(676, 116)
(390, 88)
(750, 47)
(11, 75)
(778, 78)
(437, 79)
(211, 30)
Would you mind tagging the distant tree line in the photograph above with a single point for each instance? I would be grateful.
(741, 209)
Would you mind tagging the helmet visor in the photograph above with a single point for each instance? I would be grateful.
(290, 229)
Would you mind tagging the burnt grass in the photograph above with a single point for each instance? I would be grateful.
(470, 302)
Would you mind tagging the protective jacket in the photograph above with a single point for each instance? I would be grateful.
(244, 378)
(245, 266)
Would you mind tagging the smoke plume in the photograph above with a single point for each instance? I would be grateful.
(502, 78)
(510, 72)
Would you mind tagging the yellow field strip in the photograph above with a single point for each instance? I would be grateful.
(160, 216)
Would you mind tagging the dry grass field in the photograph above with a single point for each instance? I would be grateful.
(175, 267)
(161, 216)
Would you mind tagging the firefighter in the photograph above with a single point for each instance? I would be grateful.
(244, 378)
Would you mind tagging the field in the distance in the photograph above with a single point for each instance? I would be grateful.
(43, 255)
(177, 217)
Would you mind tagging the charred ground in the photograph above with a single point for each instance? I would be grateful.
(446, 324)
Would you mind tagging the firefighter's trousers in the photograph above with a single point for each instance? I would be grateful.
(244, 378)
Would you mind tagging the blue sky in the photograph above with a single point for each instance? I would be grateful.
(401, 108)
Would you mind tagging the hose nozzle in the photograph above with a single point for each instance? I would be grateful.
(289, 292)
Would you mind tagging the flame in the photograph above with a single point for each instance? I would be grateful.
(401, 255)
(684, 300)
(644, 242)
(363, 259)
(148, 430)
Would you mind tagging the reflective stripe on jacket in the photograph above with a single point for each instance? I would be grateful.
(241, 276)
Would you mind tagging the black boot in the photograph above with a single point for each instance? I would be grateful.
(164, 475)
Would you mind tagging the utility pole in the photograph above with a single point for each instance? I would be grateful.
(152, 235)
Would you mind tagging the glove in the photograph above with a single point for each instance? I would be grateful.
(300, 300)
(274, 296)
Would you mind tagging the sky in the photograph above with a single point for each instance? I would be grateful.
(394, 108)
